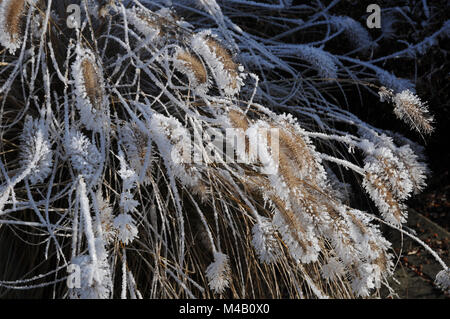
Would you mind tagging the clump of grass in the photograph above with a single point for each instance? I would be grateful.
(125, 167)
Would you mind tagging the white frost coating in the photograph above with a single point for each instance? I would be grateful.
(417, 170)
(86, 215)
(392, 174)
(139, 159)
(332, 269)
(100, 272)
(138, 149)
(387, 182)
(174, 145)
(144, 21)
(36, 151)
(303, 246)
(408, 153)
(94, 114)
(84, 156)
(129, 178)
(218, 273)
(226, 81)
(126, 228)
(153, 25)
(322, 61)
(9, 40)
(362, 284)
(197, 84)
(409, 108)
(264, 241)
(383, 160)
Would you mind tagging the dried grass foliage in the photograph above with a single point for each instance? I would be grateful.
(99, 174)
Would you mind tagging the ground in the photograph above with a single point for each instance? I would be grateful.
(417, 268)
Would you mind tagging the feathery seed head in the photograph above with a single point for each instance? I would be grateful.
(91, 98)
(11, 16)
(218, 273)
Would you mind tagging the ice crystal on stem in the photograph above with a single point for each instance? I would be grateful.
(264, 241)
(126, 228)
(36, 150)
(388, 184)
(95, 277)
(218, 273)
(84, 156)
(409, 108)
(129, 178)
